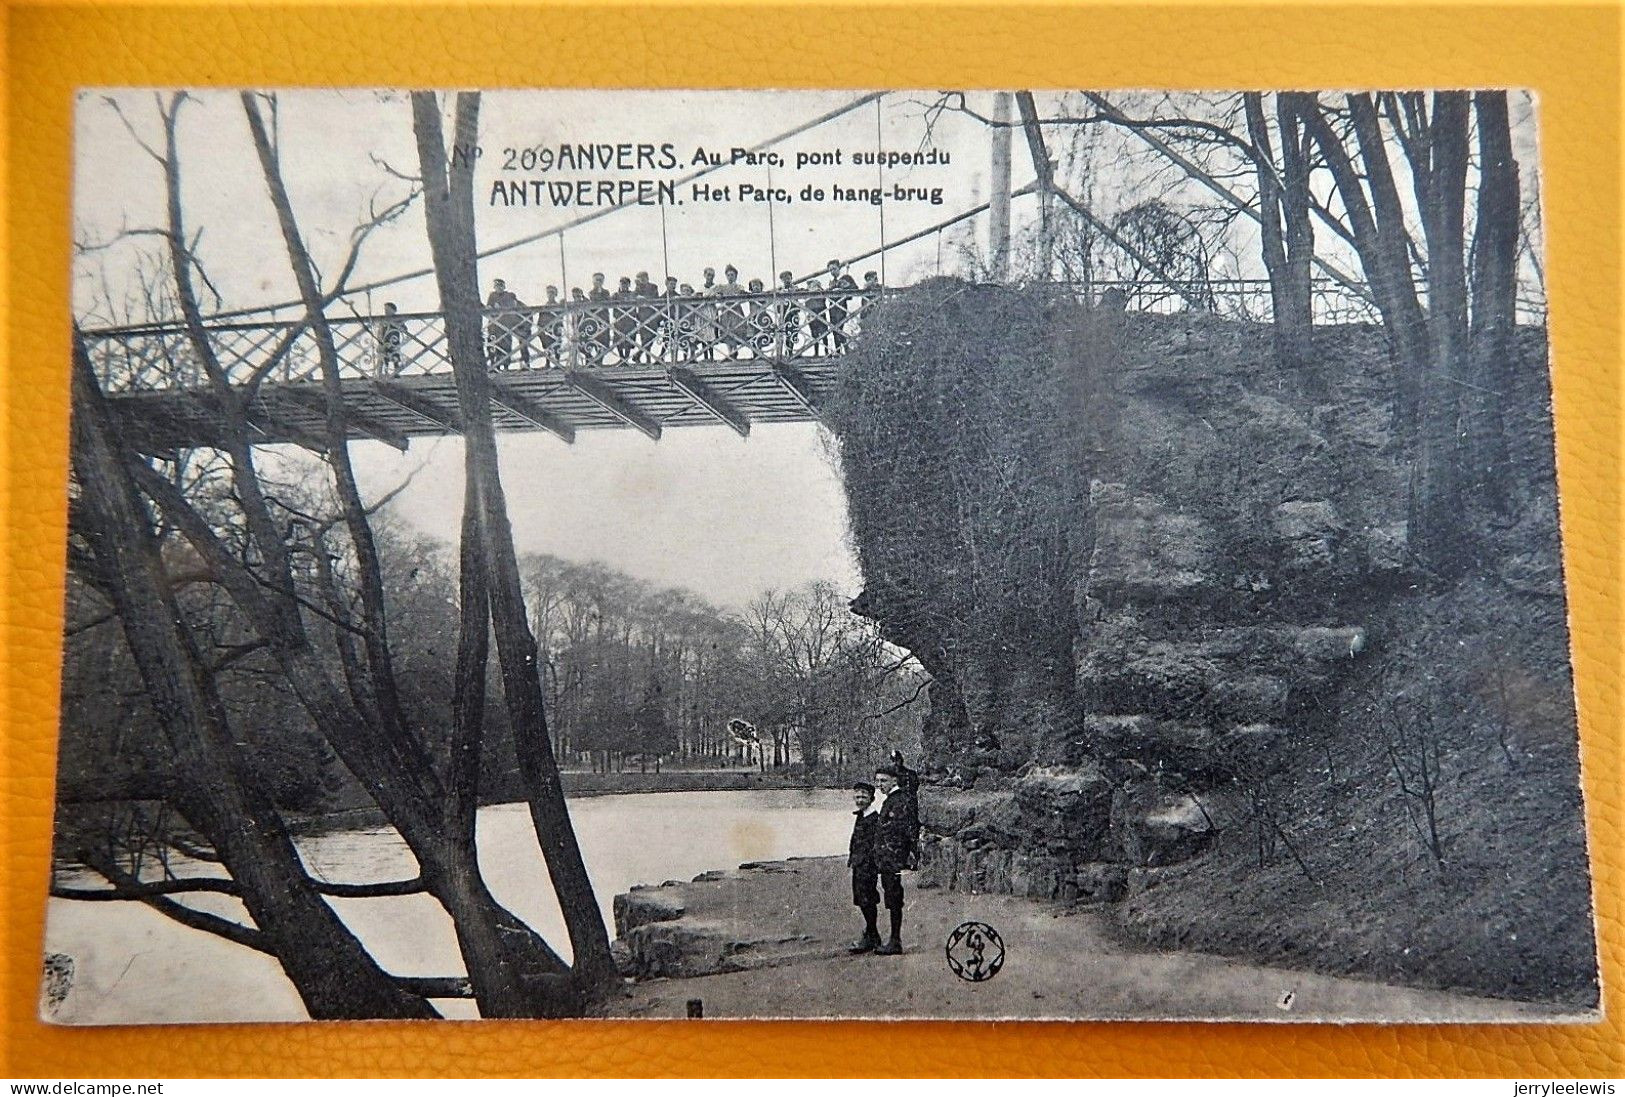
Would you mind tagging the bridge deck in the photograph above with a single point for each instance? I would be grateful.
(736, 394)
(639, 362)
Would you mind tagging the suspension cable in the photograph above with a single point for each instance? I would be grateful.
(665, 252)
(880, 187)
(772, 238)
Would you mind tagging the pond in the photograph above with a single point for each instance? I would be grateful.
(132, 964)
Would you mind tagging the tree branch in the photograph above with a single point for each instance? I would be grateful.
(148, 890)
(235, 932)
(414, 886)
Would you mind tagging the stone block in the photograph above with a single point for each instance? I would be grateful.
(948, 810)
(1177, 829)
(1177, 746)
(1386, 549)
(1145, 551)
(1153, 677)
(644, 906)
(1153, 827)
(681, 948)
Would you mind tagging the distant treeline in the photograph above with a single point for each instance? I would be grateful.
(633, 671)
(634, 675)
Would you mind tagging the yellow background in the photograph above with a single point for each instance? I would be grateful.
(1568, 53)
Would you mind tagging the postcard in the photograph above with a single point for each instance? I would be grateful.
(818, 554)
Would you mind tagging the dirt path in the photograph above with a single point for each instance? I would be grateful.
(1058, 964)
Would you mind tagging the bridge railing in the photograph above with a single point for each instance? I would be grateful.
(619, 331)
(1232, 298)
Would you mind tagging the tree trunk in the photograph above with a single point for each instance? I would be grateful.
(1292, 320)
(1389, 250)
(450, 214)
(1299, 306)
(1492, 353)
(1440, 159)
(1378, 239)
(382, 694)
(513, 972)
(468, 692)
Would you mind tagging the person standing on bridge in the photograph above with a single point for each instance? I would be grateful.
(789, 316)
(550, 327)
(573, 347)
(817, 317)
(594, 323)
(648, 316)
(841, 287)
(897, 841)
(505, 326)
(391, 337)
(730, 317)
(684, 318)
(868, 297)
(669, 347)
(763, 325)
(626, 322)
(705, 318)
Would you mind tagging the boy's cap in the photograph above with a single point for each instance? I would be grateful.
(864, 786)
(889, 771)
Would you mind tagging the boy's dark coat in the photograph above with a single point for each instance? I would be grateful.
(897, 843)
(861, 851)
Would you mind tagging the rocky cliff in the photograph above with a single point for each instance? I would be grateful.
(1177, 636)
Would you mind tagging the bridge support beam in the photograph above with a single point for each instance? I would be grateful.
(270, 428)
(607, 398)
(172, 425)
(506, 397)
(362, 422)
(738, 395)
(685, 382)
(419, 405)
(274, 427)
(795, 383)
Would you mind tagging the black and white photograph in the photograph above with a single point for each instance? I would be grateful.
(1032, 554)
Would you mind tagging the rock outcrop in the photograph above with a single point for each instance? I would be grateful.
(1213, 565)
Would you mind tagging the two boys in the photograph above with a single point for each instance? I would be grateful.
(885, 841)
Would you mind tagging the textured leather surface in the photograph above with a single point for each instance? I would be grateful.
(1570, 54)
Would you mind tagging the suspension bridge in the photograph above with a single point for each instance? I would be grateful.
(645, 360)
(644, 363)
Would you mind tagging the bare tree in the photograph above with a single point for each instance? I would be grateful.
(1286, 232)
(1433, 366)
(448, 190)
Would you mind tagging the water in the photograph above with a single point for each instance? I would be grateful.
(132, 964)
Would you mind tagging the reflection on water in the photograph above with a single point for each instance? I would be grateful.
(133, 964)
